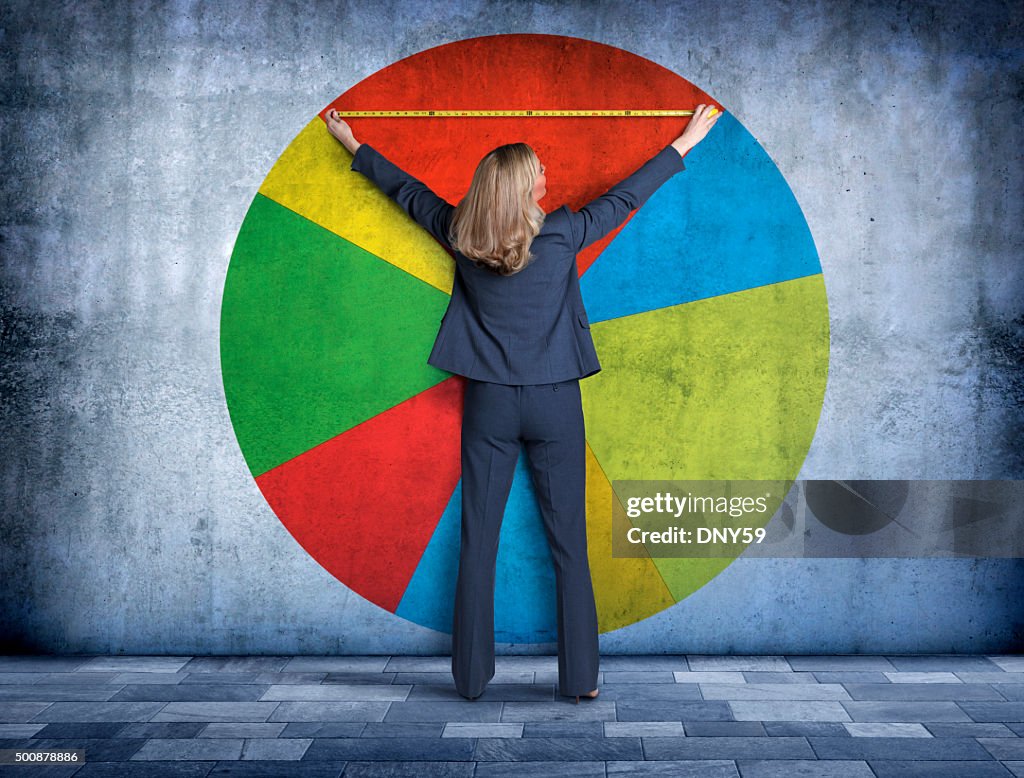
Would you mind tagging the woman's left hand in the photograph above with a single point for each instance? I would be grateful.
(340, 129)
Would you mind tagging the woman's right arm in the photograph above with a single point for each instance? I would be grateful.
(427, 209)
(600, 216)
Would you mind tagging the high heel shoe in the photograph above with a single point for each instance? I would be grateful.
(592, 695)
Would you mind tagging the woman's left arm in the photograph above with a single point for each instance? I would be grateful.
(417, 199)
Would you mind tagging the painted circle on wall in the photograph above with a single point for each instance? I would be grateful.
(707, 308)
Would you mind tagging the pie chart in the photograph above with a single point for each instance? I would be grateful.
(707, 308)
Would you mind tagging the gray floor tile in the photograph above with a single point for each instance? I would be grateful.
(943, 662)
(851, 676)
(908, 711)
(135, 664)
(637, 663)
(762, 676)
(32, 677)
(495, 692)
(1011, 663)
(805, 729)
(773, 691)
(537, 664)
(475, 710)
(994, 711)
(275, 769)
(1010, 691)
(336, 692)
(557, 749)
(81, 677)
(738, 663)
(400, 729)
(654, 692)
(727, 748)
(841, 662)
(345, 710)
(384, 769)
(42, 664)
(162, 679)
(643, 729)
(355, 677)
(568, 729)
(695, 768)
(17, 712)
(19, 730)
(163, 729)
(428, 749)
(922, 691)
(51, 692)
(209, 711)
(646, 677)
(190, 750)
(422, 664)
(1000, 677)
(243, 729)
(870, 748)
(724, 729)
(339, 664)
(788, 710)
(482, 729)
(934, 769)
(277, 749)
(710, 710)
(185, 692)
(592, 710)
(969, 729)
(236, 664)
(326, 728)
(145, 769)
(886, 729)
(906, 676)
(539, 770)
(82, 729)
(714, 676)
(803, 768)
(1003, 748)
(525, 677)
(100, 711)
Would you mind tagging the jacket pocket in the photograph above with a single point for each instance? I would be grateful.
(583, 319)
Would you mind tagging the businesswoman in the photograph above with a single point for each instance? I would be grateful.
(517, 330)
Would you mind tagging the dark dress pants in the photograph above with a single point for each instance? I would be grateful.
(548, 420)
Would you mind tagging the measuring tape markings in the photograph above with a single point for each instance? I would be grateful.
(524, 112)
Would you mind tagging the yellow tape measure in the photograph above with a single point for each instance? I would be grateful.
(524, 112)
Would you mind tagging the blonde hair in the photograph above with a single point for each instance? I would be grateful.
(497, 220)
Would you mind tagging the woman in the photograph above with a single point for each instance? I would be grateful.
(516, 328)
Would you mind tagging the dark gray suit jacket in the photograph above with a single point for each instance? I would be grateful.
(530, 327)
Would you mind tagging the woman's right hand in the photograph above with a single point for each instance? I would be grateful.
(703, 119)
(341, 130)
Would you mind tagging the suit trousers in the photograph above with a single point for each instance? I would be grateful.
(548, 420)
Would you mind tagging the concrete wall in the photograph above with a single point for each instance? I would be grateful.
(135, 136)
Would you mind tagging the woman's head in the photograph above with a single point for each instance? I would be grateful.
(497, 220)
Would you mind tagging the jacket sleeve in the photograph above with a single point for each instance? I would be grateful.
(600, 216)
(417, 199)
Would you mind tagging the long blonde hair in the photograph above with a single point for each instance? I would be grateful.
(497, 220)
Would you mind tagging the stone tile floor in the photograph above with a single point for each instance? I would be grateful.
(708, 716)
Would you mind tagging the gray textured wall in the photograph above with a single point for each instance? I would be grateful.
(135, 136)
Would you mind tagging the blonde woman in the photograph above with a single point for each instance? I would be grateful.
(517, 330)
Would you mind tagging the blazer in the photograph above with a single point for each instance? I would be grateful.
(530, 327)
